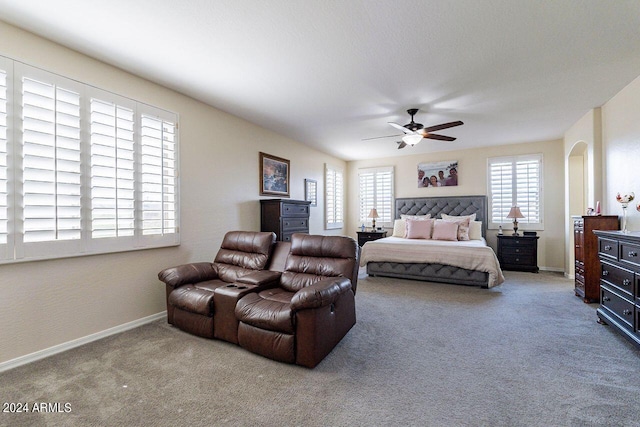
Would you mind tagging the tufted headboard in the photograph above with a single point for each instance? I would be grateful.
(455, 205)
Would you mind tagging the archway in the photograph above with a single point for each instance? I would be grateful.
(577, 192)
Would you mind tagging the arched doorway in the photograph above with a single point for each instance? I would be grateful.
(577, 192)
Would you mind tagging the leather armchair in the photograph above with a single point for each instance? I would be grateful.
(190, 288)
(310, 309)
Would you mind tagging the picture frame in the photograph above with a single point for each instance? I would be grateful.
(438, 174)
(274, 175)
(311, 191)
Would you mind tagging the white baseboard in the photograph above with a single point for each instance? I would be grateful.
(32, 357)
(553, 269)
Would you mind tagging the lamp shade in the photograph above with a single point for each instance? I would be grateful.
(373, 214)
(412, 139)
(515, 213)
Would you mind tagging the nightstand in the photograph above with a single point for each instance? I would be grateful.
(518, 253)
(368, 236)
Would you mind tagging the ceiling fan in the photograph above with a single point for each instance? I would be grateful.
(415, 132)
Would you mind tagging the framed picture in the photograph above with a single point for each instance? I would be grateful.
(438, 174)
(274, 176)
(311, 191)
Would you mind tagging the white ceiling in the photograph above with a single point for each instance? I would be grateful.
(329, 73)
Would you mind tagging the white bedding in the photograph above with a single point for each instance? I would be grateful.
(471, 254)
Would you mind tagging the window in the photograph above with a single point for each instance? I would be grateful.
(516, 181)
(376, 191)
(93, 172)
(334, 197)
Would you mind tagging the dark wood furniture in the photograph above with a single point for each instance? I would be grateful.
(518, 253)
(284, 217)
(587, 275)
(368, 236)
(620, 282)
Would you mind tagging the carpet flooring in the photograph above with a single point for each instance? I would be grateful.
(526, 353)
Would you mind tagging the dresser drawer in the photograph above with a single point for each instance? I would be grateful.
(291, 209)
(618, 277)
(523, 243)
(617, 306)
(630, 253)
(518, 259)
(608, 248)
(518, 250)
(293, 224)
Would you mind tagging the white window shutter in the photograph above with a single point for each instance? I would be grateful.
(376, 191)
(4, 165)
(334, 190)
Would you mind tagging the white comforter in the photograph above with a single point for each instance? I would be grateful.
(472, 254)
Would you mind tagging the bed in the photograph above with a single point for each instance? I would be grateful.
(465, 262)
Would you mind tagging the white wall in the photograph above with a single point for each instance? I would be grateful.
(472, 180)
(47, 303)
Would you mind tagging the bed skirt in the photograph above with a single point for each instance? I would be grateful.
(429, 272)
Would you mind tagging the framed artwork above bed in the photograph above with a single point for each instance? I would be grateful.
(438, 174)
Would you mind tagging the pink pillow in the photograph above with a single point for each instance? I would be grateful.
(463, 226)
(419, 229)
(445, 230)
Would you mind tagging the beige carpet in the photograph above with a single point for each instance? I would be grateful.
(526, 353)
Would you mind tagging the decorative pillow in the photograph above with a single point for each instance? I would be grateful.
(419, 229)
(463, 226)
(416, 217)
(399, 228)
(471, 217)
(475, 230)
(445, 230)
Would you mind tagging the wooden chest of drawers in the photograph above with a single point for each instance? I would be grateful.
(369, 236)
(587, 275)
(620, 282)
(284, 217)
(519, 253)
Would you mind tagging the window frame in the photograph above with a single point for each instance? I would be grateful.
(387, 214)
(523, 223)
(334, 198)
(17, 249)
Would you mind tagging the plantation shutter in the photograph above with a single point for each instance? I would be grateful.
(112, 170)
(516, 181)
(4, 166)
(50, 162)
(376, 191)
(334, 197)
(158, 151)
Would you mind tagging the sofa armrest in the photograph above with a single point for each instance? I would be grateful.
(321, 293)
(188, 273)
(264, 278)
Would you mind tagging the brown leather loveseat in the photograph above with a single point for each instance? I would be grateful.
(293, 307)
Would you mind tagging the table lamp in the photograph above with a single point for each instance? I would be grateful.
(515, 214)
(373, 214)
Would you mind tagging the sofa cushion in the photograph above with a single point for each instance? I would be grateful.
(269, 309)
(241, 251)
(192, 299)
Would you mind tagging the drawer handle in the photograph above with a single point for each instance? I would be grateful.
(632, 254)
(517, 259)
(607, 248)
(606, 299)
(605, 272)
(627, 312)
(626, 282)
(517, 250)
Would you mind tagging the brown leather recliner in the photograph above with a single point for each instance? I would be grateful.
(190, 288)
(310, 310)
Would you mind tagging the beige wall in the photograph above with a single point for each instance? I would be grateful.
(472, 180)
(621, 148)
(48, 303)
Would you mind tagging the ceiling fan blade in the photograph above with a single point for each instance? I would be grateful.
(442, 126)
(380, 137)
(402, 128)
(438, 137)
(401, 144)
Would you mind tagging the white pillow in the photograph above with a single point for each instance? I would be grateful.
(471, 217)
(416, 217)
(399, 228)
(475, 230)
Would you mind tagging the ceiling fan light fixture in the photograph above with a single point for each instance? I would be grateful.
(412, 139)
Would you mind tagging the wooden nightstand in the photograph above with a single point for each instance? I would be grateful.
(368, 236)
(518, 253)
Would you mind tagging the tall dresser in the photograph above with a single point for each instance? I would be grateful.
(284, 217)
(587, 282)
(620, 282)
